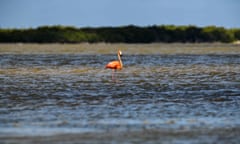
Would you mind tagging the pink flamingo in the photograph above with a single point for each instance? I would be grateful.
(115, 65)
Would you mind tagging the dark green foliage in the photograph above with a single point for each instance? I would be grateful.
(126, 34)
(236, 33)
(213, 33)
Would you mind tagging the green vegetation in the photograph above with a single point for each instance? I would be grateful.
(125, 34)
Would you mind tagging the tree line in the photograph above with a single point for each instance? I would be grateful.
(123, 34)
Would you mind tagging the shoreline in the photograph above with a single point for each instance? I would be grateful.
(107, 48)
(213, 135)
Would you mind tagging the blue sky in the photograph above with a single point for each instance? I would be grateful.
(95, 13)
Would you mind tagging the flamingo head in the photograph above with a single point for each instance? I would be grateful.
(120, 52)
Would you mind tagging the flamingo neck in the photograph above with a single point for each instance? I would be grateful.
(119, 58)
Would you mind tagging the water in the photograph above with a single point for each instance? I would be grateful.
(162, 94)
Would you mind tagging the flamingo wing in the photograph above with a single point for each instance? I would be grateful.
(113, 65)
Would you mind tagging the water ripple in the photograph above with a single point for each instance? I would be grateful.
(66, 91)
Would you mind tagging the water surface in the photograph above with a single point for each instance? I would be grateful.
(161, 94)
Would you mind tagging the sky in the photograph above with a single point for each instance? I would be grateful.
(97, 13)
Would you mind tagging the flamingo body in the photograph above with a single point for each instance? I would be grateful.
(114, 65)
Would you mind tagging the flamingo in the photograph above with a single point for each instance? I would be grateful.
(115, 65)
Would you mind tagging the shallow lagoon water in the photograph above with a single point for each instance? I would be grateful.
(179, 98)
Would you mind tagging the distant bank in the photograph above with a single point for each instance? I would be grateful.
(123, 34)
